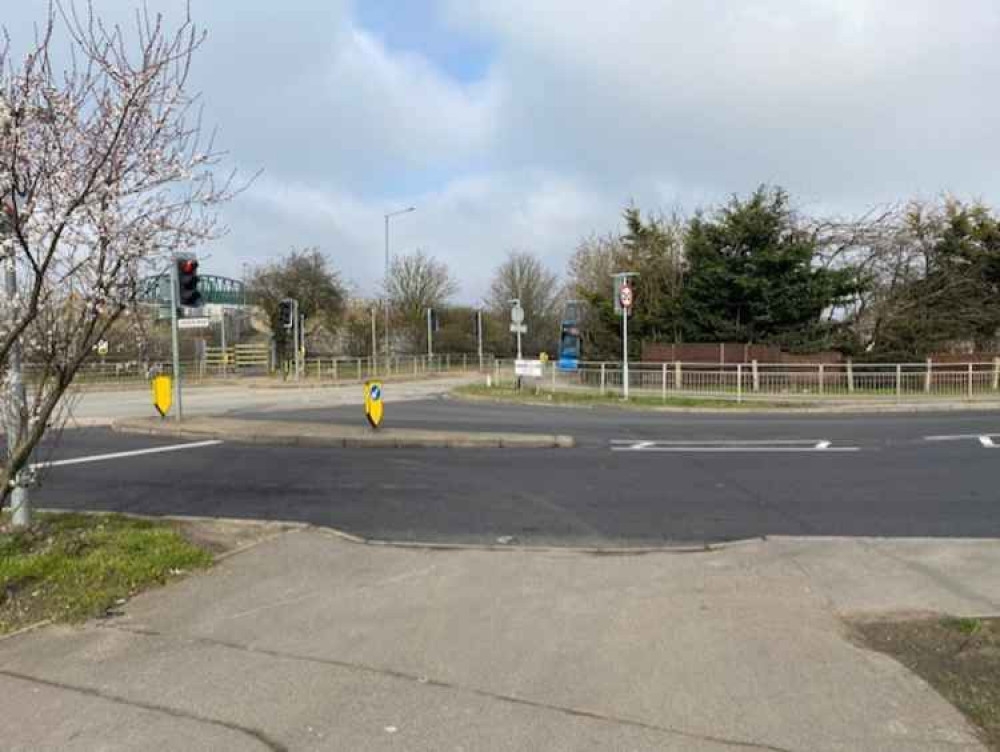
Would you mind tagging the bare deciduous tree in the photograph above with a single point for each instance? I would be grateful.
(524, 277)
(103, 171)
(417, 282)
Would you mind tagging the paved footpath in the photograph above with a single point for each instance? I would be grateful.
(310, 642)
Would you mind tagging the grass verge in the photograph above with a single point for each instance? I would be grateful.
(71, 567)
(584, 399)
(960, 658)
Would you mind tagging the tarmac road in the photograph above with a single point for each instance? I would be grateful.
(635, 479)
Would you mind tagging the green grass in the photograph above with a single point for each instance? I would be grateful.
(582, 398)
(71, 567)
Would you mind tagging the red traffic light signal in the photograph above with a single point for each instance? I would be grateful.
(188, 294)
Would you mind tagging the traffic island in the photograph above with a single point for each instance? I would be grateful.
(294, 433)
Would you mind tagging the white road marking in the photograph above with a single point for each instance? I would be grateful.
(734, 445)
(121, 455)
(986, 440)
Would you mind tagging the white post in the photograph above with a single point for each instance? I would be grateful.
(756, 376)
(336, 376)
(663, 382)
(822, 374)
(850, 376)
(970, 380)
(929, 377)
(996, 374)
(678, 376)
(603, 381)
(625, 352)
(553, 375)
(899, 381)
(739, 381)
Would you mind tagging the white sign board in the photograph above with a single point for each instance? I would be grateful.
(202, 322)
(517, 314)
(519, 328)
(532, 368)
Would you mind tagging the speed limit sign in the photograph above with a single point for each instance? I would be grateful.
(625, 296)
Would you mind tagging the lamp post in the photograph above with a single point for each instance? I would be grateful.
(389, 216)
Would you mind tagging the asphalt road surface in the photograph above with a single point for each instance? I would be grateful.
(635, 478)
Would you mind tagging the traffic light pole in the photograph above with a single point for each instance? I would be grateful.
(175, 340)
(297, 327)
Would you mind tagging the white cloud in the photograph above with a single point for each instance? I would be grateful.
(584, 106)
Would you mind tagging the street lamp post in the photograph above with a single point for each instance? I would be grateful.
(389, 216)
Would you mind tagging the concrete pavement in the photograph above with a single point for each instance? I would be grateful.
(307, 642)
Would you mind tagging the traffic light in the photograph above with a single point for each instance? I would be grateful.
(188, 294)
(286, 313)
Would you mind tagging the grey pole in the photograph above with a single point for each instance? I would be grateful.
(175, 341)
(20, 503)
(295, 335)
(430, 334)
(386, 287)
(374, 342)
(224, 351)
(387, 217)
(625, 350)
(479, 336)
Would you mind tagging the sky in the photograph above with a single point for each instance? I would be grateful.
(530, 124)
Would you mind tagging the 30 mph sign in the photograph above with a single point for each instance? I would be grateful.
(625, 296)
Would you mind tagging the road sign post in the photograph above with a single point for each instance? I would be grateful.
(624, 299)
(517, 324)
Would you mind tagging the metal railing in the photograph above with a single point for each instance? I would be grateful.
(253, 361)
(772, 381)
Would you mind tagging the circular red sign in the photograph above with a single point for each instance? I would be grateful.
(625, 296)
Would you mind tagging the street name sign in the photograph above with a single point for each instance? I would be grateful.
(200, 322)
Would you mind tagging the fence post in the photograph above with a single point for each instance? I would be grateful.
(850, 376)
(553, 375)
(756, 376)
(603, 382)
(996, 374)
(496, 365)
(319, 368)
(822, 379)
(928, 377)
(663, 383)
(465, 362)
(678, 380)
(739, 382)
(899, 381)
(336, 376)
(970, 380)
(359, 369)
